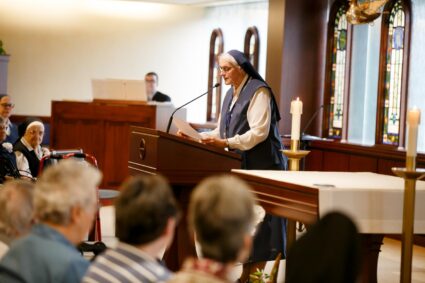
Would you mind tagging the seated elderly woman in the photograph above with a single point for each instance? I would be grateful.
(65, 204)
(16, 212)
(224, 234)
(7, 157)
(28, 148)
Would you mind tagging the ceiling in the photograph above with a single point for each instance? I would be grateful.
(202, 2)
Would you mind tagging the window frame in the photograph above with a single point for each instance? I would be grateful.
(382, 73)
(252, 32)
(216, 34)
(328, 77)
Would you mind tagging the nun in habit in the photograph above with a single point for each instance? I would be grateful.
(248, 125)
(28, 148)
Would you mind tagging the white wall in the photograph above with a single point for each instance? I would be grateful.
(58, 46)
(416, 87)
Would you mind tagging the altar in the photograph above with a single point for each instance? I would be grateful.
(373, 201)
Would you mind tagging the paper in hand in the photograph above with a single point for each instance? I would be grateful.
(186, 129)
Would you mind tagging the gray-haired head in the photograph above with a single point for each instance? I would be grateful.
(16, 208)
(221, 212)
(64, 186)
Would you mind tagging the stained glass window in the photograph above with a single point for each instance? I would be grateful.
(393, 75)
(339, 55)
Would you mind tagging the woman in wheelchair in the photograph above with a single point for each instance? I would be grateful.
(8, 167)
(28, 148)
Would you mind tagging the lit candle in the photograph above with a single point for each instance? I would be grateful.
(412, 121)
(296, 111)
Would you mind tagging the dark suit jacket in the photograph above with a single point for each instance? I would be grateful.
(13, 137)
(160, 97)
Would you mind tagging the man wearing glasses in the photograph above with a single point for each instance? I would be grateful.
(151, 81)
(6, 107)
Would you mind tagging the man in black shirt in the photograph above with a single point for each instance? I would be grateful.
(151, 81)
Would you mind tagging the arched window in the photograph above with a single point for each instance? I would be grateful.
(336, 77)
(252, 46)
(214, 95)
(393, 74)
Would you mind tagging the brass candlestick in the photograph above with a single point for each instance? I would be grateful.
(294, 155)
(410, 174)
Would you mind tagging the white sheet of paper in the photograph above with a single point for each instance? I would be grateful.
(186, 129)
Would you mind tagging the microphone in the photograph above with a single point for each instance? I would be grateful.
(172, 114)
(312, 118)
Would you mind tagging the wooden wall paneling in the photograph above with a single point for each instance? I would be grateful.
(303, 53)
(385, 165)
(335, 161)
(314, 161)
(362, 164)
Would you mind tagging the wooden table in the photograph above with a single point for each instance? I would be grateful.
(373, 201)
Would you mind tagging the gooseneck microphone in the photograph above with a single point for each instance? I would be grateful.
(172, 114)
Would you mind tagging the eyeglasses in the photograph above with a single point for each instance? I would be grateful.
(225, 69)
(11, 105)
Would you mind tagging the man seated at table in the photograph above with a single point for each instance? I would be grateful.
(145, 218)
(65, 204)
(16, 212)
(221, 213)
(151, 82)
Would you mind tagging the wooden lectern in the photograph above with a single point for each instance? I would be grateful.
(184, 163)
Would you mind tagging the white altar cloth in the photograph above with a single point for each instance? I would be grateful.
(373, 201)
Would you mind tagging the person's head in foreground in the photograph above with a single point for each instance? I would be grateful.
(65, 203)
(16, 211)
(221, 214)
(66, 198)
(329, 252)
(146, 214)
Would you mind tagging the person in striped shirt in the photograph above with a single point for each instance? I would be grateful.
(146, 215)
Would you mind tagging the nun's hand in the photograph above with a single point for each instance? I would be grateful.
(221, 143)
(45, 151)
(182, 135)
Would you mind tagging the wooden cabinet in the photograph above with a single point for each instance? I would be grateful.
(101, 128)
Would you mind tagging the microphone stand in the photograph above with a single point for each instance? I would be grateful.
(312, 119)
(172, 114)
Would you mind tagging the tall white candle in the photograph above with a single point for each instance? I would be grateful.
(413, 120)
(296, 111)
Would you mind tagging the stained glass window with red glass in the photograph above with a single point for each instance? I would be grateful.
(393, 75)
(339, 57)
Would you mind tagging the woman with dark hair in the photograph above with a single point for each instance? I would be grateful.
(248, 125)
(28, 148)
